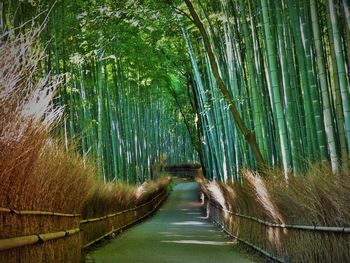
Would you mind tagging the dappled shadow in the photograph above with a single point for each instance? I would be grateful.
(174, 235)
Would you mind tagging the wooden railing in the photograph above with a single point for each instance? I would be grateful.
(95, 229)
(80, 234)
(241, 227)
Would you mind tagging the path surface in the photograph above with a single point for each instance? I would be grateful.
(178, 232)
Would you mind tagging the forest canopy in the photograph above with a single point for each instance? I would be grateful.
(238, 83)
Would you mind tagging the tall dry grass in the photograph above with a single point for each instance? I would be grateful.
(36, 173)
(315, 198)
(114, 197)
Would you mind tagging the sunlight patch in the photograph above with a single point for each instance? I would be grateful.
(216, 192)
(198, 242)
(263, 197)
(188, 223)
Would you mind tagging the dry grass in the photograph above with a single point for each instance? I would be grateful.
(114, 197)
(316, 198)
(35, 172)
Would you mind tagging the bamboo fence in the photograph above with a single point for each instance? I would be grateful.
(95, 229)
(37, 236)
(282, 242)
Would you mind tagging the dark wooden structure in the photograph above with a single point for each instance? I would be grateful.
(183, 170)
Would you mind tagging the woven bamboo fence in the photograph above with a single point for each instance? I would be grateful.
(95, 229)
(39, 236)
(283, 242)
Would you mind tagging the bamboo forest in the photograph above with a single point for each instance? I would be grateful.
(175, 131)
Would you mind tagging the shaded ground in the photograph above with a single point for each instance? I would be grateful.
(178, 232)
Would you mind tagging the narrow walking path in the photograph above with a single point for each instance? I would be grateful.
(178, 232)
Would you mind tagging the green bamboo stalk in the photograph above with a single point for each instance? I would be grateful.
(335, 92)
(247, 134)
(311, 143)
(315, 98)
(327, 113)
(275, 83)
(344, 84)
(288, 92)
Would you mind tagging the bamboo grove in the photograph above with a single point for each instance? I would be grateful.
(285, 65)
(125, 127)
(116, 112)
(238, 83)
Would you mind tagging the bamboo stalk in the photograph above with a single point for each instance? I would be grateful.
(248, 135)
(9, 243)
(16, 242)
(30, 212)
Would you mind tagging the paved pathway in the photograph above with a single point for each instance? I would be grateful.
(178, 232)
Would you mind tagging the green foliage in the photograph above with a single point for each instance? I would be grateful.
(118, 68)
(286, 79)
(139, 81)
